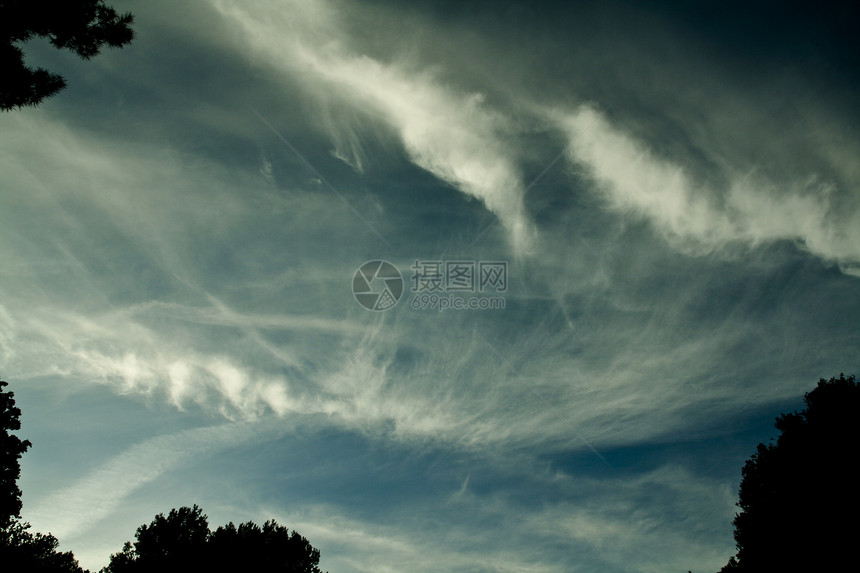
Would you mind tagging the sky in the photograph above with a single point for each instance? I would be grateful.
(645, 221)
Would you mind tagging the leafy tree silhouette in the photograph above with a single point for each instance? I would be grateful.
(11, 449)
(182, 541)
(20, 549)
(799, 497)
(176, 542)
(270, 548)
(81, 26)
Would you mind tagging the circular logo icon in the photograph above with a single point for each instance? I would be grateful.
(377, 285)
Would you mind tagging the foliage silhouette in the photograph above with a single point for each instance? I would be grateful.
(81, 26)
(21, 549)
(11, 450)
(799, 497)
(270, 548)
(182, 541)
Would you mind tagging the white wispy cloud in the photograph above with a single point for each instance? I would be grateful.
(362, 546)
(71, 511)
(752, 210)
(167, 276)
(623, 522)
(449, 132)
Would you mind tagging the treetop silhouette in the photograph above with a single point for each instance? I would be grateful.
(799, 497)
(182, 541)
(81, 26)
(11, 449)
(21, 549)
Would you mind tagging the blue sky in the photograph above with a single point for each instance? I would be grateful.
(675, 193)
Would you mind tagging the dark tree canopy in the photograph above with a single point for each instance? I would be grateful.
(182, 541)
(20, 548)
(268, 548)
(799, 497)
(11, 449)
(81, 26)
(23, 550)
(175, 542)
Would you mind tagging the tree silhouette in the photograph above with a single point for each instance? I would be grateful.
(81, 26)
(21, 549)
(799, 497)
(11, 449)
(181, 541)
(173, 543)
(270, 548)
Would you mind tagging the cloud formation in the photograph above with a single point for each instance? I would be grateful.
(70, 512)
(751, 210)
(450, 133)
(162, 253)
